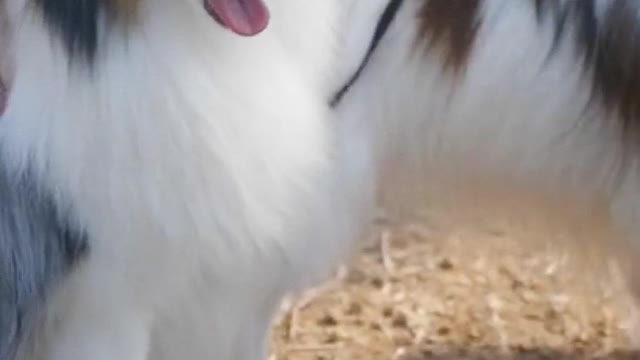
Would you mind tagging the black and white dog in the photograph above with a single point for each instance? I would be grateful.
(165, 179)
(172, 168)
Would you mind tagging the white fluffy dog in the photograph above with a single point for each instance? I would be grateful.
(165, 179)
(172, 168)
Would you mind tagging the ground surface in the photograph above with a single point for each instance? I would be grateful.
(462, 294)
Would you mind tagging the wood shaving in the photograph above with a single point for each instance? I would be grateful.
(419, 295)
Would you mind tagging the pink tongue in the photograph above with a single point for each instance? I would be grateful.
(244, 17)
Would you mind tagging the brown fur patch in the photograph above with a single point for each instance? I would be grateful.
(450, 26)
(124, 9)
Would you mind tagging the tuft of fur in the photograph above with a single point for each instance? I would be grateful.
(449, 26)
(515, 111)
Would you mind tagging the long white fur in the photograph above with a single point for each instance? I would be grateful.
(200, 164)
(212, 179)
(517, 114)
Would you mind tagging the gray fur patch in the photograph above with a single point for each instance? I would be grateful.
(37, 248)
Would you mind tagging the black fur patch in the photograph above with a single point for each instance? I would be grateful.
(76, 21)
(37, 248)
(387, 17)
(609, 44)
